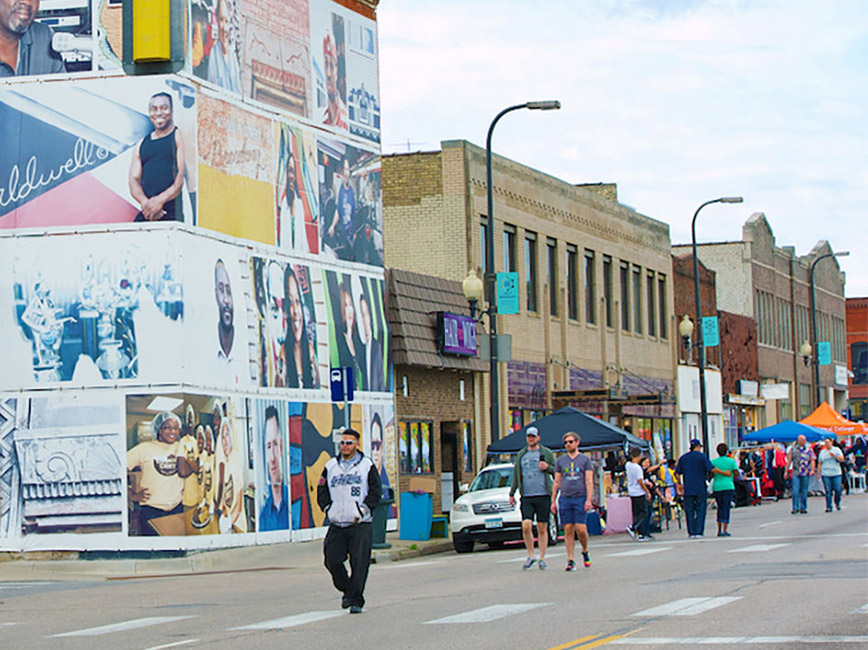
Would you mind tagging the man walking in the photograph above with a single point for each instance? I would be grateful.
(640, 496)
(574, 479)
(533, 477)
(804, 463)
(694, 467)
(348, 490)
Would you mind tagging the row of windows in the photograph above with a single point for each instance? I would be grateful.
(643, 308)
(775, 325)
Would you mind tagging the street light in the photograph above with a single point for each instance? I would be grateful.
(699, 342)
(472, 288)
(814, 323)
(685, 330)
(490, 274)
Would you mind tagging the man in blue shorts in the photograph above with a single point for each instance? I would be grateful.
(532, 476)
(574, 479)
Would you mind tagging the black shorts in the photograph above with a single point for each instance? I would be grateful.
(541, 506)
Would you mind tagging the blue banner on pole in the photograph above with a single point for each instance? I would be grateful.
(507, 293)
(710, 332)
(824, 353)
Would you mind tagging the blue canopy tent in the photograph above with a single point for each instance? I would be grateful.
(594, 433)
(786, 431)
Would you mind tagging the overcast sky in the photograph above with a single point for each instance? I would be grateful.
(678, 102)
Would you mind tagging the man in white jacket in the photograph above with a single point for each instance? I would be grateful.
(348, 491)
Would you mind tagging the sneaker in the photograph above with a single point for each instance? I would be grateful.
(649, 537)
(794, 512)
(356, 609)
(571, 566)
(529, 563)
(837, 507)
(725, 534)
(804, 512)
(345, 602)
(631, 532)
(642, 538)
(828, 510)
(587, 559)
(542, 565)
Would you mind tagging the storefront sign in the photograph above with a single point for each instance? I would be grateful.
(840, 375)
(456, 334)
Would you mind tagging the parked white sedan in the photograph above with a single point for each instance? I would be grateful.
(484, 515)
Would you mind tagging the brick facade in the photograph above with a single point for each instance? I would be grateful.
(857, 333)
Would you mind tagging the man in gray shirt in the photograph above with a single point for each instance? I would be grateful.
(25, 45)
(533, 475)
(574, 478)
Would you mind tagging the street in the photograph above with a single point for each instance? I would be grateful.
(781, 581)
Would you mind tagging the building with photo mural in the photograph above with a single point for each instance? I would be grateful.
(191, 216)
(595, 321)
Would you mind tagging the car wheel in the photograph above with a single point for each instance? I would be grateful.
(462, 545)
(553, 529)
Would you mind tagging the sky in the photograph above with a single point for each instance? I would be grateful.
(678, 102)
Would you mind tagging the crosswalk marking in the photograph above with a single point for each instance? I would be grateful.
(861, 610)
(739, 640)
(687, 606)
(124, 626)
(523, 558)
(770, 523)
(486, 614)
(757, 548)
(640, 551)
(291, 621)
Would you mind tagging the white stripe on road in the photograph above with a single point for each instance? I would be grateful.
(770, 523)
(739, 640)
(648, 550)
(687, 606)
(291, 621)
(487, 614)
(858, 610)
(123, 627)
(407, 565)
(173, 645)
(757, 548)
(523, 558)
(7, 624)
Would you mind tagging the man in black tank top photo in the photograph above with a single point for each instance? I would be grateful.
(157, 167)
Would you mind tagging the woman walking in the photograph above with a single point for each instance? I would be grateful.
(830, 460)
(723, 486)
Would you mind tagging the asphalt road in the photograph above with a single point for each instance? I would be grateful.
(781, 581)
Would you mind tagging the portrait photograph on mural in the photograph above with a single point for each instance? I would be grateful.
(290, 335)
(297, 223)
(351, 218)
(189, 471)
(378, 441)
(217, 42)
(63, 471)
(270, 435)
(124, 144)
(91, 310)
(358, 335)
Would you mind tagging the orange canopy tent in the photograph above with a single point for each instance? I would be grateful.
(825, 417)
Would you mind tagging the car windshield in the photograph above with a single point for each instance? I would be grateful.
(492, 478)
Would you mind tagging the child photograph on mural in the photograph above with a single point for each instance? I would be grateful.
(297, 223)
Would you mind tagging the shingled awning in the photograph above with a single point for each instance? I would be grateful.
(411, 309)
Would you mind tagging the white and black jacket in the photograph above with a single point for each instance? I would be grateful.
(348, 496)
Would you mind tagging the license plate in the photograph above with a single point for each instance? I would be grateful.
(495, 522)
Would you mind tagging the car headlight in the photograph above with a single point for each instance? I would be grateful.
(460, 507)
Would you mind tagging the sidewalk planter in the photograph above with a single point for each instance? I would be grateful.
(415, 516)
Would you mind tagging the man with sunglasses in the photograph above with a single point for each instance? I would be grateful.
(348, 491)
(532, 476)
(574, 479)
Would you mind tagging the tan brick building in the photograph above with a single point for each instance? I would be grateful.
(595, 280)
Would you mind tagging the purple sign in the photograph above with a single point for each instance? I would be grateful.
(457, 334)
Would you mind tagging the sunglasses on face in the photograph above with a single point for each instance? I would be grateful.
(348, 442)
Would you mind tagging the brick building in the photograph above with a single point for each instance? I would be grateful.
(857, 350)
(595, 321)
(771, 284)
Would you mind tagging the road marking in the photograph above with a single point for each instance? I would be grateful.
(406, 565)
(605, 640)
(487, 614)
(575, 642)
(523, 558)
(687, 606)
(739, 640)
(770, 523)
(291, 621)
(173, 645)
(648, 550)
(757, 548)
(7, 624)
(122, 627)
(858, 610)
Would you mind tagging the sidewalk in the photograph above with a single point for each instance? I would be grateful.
(69, 566)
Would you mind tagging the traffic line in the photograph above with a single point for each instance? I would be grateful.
(122, 627)
(487, 614)
(173, 645)
(291, 621)
(740, 640)
(687, 606)
(770, 523)
(757, 548)
(648, 550)
(858, 610)
(407, 565)
(523, 558)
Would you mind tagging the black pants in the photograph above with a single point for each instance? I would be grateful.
(354, 541)
(146, 513)
(640, 509)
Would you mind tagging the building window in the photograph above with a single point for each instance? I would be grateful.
(590, 296)
(652, 313)
(637, 299)
(804, 400)
(416, 448)
(572, 283)
(859, 362)
(483, 244)
(552, 274)
(509, 248)
(625, 296)
(530, 269)
(661, 305)
(607, 289)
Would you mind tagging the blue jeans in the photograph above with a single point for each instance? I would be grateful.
(800, 492)
(724, 505)
(832, 484)
(694, 513)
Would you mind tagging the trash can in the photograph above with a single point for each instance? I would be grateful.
(416, 513)
(381, 516)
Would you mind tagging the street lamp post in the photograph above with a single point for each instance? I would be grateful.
(699, 340)
(490, 274)
(816, 360)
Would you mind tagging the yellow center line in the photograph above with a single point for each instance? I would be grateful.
(603, 641)
(574, 642)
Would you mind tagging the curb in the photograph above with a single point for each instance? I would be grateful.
(407, 553)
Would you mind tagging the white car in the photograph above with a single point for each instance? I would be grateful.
(483, 514)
